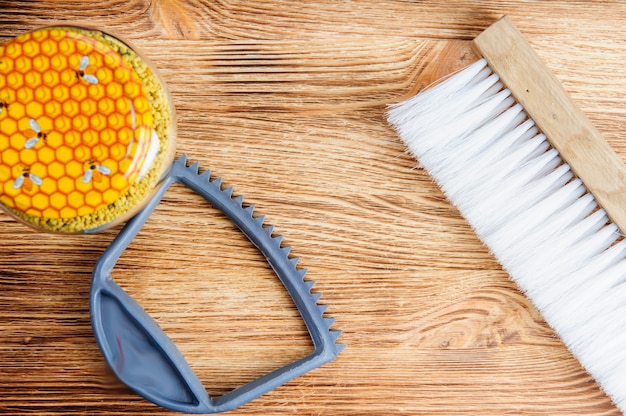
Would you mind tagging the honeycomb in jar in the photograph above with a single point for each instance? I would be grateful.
(81, 128)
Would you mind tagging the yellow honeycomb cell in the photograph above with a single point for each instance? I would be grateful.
(124, 164)
(39, 168)
(49, 47)
(55, 110)
(51, 79)
(105, 75)
(82, 152)
(67, 212)
(59, 61)
(98, 122)
(121, 76)
(88, 107)
(84, 47)
(72, 138)
(76, 199)
(132, 90)
(48, 187)
(64, 154)
(106, 106)
(46, 155)
(34, 212)
(84, 187)
(24, 65)
(34, 110)
(62, 123)
(46, 123)
(8, 96)
(75, 169)
(90, 138)
(24, 95)
(56, 170)
(118, 151)
(31, 48)
(117, 181)
(108, 136)
(60, 92)
(40, 202)
(17, 111)
(8, 127)
(124, 136)
(78, 92)
(80, 123)
(114, 91)
(43, 95)
(123, 105)
(67, 47)
(110, 195)
(142, 105)
(94, 198)
(104, 184)
(13, 50)
(84, 209)
(33, 80)
(71, 108)
(16, 141)
(109, 62)
(41, 64)
(15, 80)
(98, 93)
(10, 157)
(50, 212)
(56, 34)
(6, 66)
(28, 157)
(100, 152)
(58, 200)
(40, 35)
(117, 121)
(75, 123)
(66, 185)
(23, 201)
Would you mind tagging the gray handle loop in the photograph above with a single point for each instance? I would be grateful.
(141, 354)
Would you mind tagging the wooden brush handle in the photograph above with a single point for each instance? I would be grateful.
(557, 116)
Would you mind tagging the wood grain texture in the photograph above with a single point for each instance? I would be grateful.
(285, 100)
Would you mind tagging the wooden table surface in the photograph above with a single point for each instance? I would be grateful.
(285, 100)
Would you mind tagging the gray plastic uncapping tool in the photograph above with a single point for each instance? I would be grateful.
(143, 357)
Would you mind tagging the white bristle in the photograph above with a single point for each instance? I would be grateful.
(526, 205)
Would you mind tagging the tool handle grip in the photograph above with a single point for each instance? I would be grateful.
(566, 127)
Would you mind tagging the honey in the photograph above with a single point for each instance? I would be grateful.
(86, 129)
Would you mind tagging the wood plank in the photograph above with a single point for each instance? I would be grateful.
(286, 101)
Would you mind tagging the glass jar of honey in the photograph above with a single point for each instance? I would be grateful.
(87, 129)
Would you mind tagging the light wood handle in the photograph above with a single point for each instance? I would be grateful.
(557, 116)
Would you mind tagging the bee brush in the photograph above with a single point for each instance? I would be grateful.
(539, 186)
